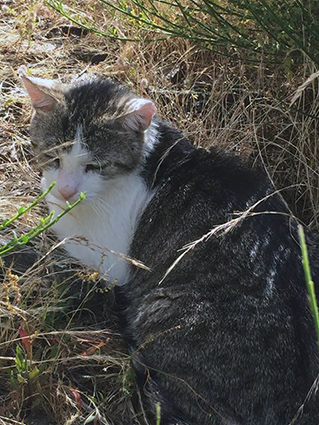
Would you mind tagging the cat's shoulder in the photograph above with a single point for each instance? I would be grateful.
(177, 160)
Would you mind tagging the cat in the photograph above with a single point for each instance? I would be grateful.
(74, 156)
(219, 324)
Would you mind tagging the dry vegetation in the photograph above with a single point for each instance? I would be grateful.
(62, 360)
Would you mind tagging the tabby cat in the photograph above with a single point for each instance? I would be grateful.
(219, 318)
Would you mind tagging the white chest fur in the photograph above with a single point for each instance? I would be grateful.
(104, 221)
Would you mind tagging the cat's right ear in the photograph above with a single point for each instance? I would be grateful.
(139, 115)
(43, 93)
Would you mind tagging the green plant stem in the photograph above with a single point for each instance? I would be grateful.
(23, 210)
(58, 7)
(158, 413)
(309, 281)
(45, 222)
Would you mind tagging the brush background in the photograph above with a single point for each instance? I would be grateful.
(81, 371)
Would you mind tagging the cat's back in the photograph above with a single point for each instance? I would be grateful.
(228, 324)
(197, 190)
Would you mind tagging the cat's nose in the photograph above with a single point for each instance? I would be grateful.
(67, 192)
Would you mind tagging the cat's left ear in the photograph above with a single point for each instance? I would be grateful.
(44, 94)
(139, 115)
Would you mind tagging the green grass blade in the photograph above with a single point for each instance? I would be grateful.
(45, 223)
(23, 210)
(309, 281)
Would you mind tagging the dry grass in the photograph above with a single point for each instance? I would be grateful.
(78, 367)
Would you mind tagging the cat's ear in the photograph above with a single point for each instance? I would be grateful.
(44, 94)
(139, 115)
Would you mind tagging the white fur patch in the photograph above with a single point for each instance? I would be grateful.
(105, 220)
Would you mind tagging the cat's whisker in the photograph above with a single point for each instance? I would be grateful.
(99, 208)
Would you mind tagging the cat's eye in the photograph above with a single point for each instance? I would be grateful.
(56, 163)
(92, 167)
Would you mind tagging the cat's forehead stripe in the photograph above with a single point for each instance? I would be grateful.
(78, 139)
(78, 147)
(78, 151)
(76, 156)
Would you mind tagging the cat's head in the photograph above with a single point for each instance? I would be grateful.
(87, 132)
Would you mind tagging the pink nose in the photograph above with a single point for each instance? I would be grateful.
(67, 192)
